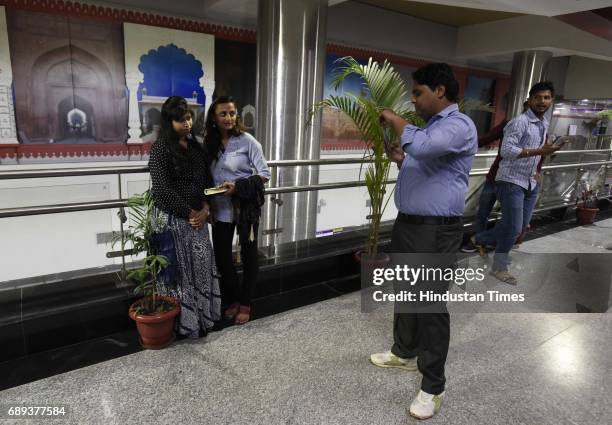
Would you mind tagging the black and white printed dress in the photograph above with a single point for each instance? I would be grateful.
(179, 177)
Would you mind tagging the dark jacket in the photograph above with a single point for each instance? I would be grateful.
(247, 200)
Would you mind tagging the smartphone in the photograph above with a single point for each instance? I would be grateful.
(560, 141)
(387, 138)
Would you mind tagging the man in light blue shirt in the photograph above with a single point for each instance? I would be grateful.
(434, 163)
(516, 185)
(434, 173)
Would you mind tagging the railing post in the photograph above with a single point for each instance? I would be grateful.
(122, 219)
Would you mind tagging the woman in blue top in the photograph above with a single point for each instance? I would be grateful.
(235, 156)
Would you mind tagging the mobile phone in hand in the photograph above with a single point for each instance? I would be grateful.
(560, 141)
(387, 138)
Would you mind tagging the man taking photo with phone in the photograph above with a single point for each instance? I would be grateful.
(434, 163)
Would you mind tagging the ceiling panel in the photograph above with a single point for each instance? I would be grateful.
(533, 7)
(442, 14)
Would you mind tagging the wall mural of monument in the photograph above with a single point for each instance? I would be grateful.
(68, 79)
(82, 88)
(88, 85)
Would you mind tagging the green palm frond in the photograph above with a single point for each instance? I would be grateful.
(383, 84)
(138, 235)
(351, 106)
(382, 88)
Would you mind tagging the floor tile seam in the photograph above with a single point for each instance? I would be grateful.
(214, 362)
(545, 341)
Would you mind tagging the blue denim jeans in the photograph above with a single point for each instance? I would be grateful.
(517, 206)
(485, 205)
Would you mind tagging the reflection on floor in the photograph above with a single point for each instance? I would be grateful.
(310, 365)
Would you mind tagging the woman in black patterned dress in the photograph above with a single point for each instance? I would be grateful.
(179, 175)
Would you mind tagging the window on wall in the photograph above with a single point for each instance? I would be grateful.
(479, 94)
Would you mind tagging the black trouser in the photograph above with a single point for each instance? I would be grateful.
(425, 335)
(231, 290)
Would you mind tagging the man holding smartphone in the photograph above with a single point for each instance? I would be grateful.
(516, 185)
(434, 164)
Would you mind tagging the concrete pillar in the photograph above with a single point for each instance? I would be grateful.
(290, 65)
(528, 68)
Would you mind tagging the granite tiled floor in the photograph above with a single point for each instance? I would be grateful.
(310, 366)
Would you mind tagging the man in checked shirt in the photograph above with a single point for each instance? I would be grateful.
(516, 186)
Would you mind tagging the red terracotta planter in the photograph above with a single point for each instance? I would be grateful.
(156, 331)
(586, 215)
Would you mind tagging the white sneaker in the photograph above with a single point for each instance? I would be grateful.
(425, 405)
(388, 359)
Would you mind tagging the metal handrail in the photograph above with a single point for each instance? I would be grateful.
(118, 203)
(63, 208)
(580, 165)
(134, 169)
(72, 172)
(321, 186)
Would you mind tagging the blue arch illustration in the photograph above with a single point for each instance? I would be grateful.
(171, 71)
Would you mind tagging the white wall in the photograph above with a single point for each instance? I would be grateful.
(588, 79)
(347, 207)
(54, 243)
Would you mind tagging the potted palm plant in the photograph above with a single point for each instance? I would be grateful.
(586, 206)
(382, 88)
(154, 314)
(604, 116)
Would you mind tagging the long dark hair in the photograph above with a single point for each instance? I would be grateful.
(174, 108)
(212, 135)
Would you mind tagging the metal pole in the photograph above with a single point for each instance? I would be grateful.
(528, 67)
(290, 65)
(122, 218)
